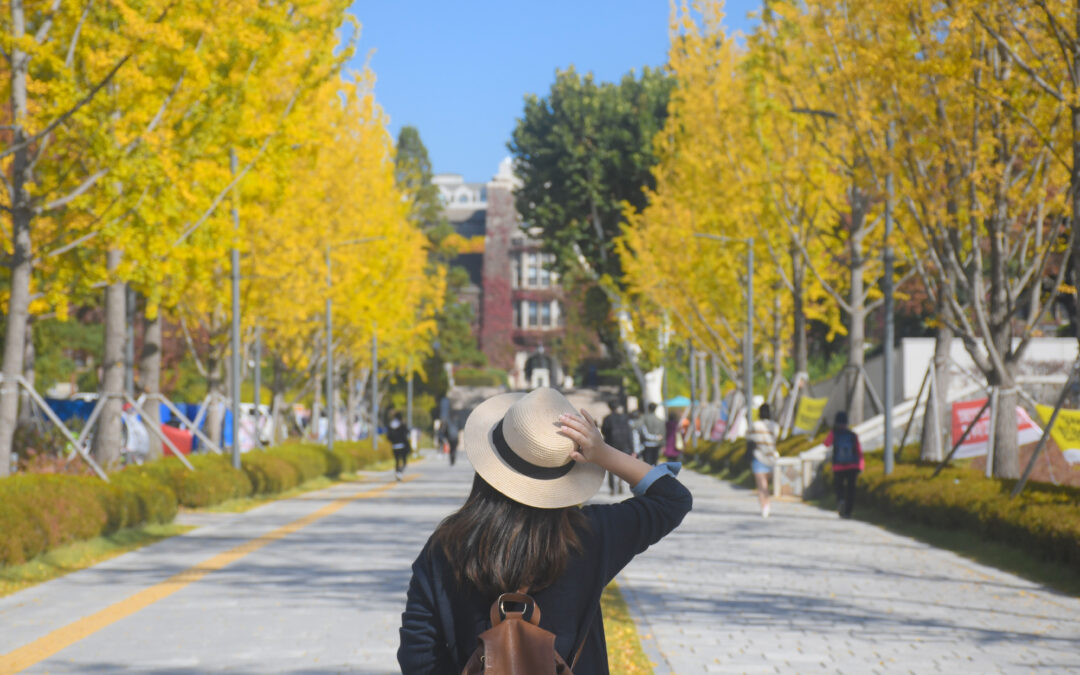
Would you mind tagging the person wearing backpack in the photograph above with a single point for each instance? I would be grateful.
(398, 435)
(448, 435)
(521, 544)
(847, 462)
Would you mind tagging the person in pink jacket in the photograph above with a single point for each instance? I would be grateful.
(847, 462)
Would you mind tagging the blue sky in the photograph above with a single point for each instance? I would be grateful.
(459, 71)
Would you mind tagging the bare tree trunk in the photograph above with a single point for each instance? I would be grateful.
(857, 323)
(350, 401)
(22, 254)
(1006, 444)
(715, 377)
(703, 377)
(215, 387)
(777, 350)
(930, 447)
(26, 406)
(798, 280)
(316, 408)
(108, 437)
(150, 377)
(277, 390)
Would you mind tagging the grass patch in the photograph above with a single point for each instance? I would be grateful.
(625, 654)
(82, 554)
(971, 545)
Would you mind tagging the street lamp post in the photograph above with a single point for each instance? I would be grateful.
(887, 290)
(235, 361)
(748, 337)
(330, 336)
(374, 388)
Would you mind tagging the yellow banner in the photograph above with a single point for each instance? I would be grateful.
(1066, 431)
(809, 412)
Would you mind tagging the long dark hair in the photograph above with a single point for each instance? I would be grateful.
(496, 545)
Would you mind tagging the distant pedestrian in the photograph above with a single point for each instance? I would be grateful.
(672, 439)
(398, 435)
(762, 445)
(847, 462)
(616, 431)
(522, 543)
(652, 435)
(448, 437)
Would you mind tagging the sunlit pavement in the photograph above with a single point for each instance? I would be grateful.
(805, 591)
(727, 592)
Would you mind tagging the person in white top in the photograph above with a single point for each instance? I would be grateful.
(762, 444)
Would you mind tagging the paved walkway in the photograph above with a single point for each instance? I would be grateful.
(804, 591)
(728, 592)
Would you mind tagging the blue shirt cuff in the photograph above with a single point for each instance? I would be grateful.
(665, 469)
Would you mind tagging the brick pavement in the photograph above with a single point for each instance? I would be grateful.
(804, 591)
(727, 592)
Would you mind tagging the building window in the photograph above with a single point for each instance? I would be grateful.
(533, 269)
(545, 315)
(517, 316)
(515, 273)
(463, 198)
(483, 194)
(534, 311)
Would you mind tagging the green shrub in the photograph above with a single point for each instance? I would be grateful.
(213, 481)
(41, 511)
(1044, 519)
(361, 453)
(480, 377)
(309, 460)
(269, 473)
(147, 500)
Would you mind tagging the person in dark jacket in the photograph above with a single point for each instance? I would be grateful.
(847, 462)
(617, 433)
(536, 460)
(398, 435)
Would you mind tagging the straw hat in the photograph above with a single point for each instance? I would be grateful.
(512, 442)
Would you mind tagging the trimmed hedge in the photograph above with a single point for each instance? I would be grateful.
(730, 461)
(42, 511)
(1044, 520)
(213, 481)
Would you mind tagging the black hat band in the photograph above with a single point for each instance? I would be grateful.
(523, 466)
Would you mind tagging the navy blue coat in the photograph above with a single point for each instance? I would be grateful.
(440, 625)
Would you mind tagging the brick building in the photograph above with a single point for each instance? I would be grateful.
(516, 299)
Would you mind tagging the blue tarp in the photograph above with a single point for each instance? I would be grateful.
(68, 409)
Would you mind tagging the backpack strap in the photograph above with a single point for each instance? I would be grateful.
(581, 648)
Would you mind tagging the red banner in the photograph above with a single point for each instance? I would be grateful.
(963, 412)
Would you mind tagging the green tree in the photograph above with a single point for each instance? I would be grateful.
(412, 172)
(581, 152)
(584, 154)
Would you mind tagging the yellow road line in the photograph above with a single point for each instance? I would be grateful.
(61, 638)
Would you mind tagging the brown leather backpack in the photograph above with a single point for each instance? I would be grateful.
(516, 644)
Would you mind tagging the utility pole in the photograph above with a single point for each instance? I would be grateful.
(748, 345)
(129, 340)
(374, 389)
(409, 396)
(329, 358)
(887, 289)
(258, 383)
(236, 347)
